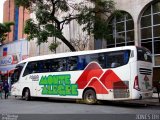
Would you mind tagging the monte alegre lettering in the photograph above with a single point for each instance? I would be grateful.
(58, 85)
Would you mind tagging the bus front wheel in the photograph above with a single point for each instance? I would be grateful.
(90, 97)
(27, 96)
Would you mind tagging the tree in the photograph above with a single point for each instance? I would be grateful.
(4, 29)
(91, 14)
(80, 43)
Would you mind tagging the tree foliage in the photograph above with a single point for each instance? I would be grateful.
(52, 15)
(4, 29)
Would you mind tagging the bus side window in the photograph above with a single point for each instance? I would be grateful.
(115, 64)
(114, 59)
(31, 67)
(46, 66)
(40, 66)
(101, 60)
(62, 66)
(81, 63)
(72, 63)
(54, 66)
(35, 68)
(126, 56)
(109, 60)
(50, 65)
(27, 70)
(117, 59)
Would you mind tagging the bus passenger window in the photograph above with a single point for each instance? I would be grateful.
(81, 62)
(60, 64)
(61, 67)
(101, 60)
(114, 64)
(117, 59)
(126, 57)
(32, 67)
(72, 63)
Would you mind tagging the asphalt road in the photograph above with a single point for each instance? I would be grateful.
(61, 107)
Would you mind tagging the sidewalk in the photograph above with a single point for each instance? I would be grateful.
(154, 101)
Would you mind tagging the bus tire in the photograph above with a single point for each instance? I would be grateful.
(27, 96)
(90, 97)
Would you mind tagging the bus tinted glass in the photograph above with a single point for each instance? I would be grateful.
(117, 59)
(73, 63)
(15, 76)
(143, 55)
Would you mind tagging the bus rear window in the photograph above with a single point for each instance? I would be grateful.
(143, 55)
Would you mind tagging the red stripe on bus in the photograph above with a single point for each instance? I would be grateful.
(92, 70)
(110, 78)
(98, 87)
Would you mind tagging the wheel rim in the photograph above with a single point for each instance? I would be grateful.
(90, 98)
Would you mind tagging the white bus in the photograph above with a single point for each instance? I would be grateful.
(122, 73)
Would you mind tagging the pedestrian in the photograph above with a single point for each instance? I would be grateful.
(1, 90)
(6, 89)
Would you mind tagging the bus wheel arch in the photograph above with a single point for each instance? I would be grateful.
(26, 94)
(89, 96)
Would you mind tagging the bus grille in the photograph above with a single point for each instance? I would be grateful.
(121, 91)
(145, 71)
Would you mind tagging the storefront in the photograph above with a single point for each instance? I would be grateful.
(10, 55)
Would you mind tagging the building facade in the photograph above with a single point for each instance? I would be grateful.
(138, 24)
(18, 15)
(11, 54)
(15, 48)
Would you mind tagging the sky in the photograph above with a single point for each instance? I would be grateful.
(1, 10)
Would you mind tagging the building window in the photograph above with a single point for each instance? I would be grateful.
(121, 30)
(150, 31)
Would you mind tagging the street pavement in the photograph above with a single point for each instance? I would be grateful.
(58, 106)
(47, 109)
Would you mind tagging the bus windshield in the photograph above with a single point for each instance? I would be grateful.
(15, 76)
(143, 55)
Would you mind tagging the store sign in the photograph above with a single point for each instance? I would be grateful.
(8, 60)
